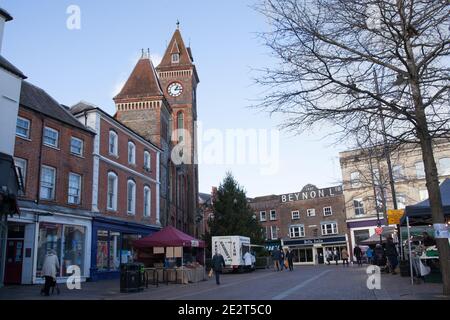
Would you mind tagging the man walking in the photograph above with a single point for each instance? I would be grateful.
(217, 263)
(358, 254)
(290, 259)
(391, 254)
(276, 254)
(281, 259)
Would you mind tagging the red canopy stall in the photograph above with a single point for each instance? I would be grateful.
(168, 245)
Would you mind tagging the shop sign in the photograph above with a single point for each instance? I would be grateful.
(441, 231)
(194, 243)
(394, 216)
(314, 241)
(311, 192)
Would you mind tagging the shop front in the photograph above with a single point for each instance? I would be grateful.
(361, 230)
(35, 232)
(312, 251)
(112, 241)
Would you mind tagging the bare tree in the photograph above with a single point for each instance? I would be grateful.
(350, 63)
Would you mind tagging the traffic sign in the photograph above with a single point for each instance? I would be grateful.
(394, 216)
(378, 231)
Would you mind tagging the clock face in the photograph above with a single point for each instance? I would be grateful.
(175, 89)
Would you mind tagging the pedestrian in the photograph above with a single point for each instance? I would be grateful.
(290, 259)
(49, 271)
(281, 259)
(358, 254)
(329, 256)
(276, 258)
(369, 254)
(428, 241)
(248, 261)
(379, 256)
(391, 254)
(345, 256)
(336, 255)
(217, 263)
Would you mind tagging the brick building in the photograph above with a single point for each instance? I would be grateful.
(125, 189)
(308, 222)
(53, 157)
(160, 104)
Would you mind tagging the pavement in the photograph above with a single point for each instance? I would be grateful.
(304, 283)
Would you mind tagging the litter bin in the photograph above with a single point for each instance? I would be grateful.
(131, 277)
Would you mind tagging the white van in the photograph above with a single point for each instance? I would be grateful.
(232, 248)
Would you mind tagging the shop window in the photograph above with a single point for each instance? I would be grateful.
(327, 211)
(361, 235)
(329, 228)
(262, 216)
(51, 137)
(23, 128)
(295, 215)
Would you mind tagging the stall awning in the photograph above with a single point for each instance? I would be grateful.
(420, 213)
(169, 237)
(9, 185)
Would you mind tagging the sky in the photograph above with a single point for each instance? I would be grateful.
(93, 62)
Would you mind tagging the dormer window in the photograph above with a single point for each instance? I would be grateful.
(175, 58)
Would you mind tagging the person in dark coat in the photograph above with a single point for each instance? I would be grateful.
(428, 241)
(290, 259)
(276, 254)
(281, 261)
(391, 254)
(358, 254)
(217, 263)
(379, 258)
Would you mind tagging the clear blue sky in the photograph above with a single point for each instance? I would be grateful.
(90, 64)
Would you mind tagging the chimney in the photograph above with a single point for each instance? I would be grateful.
(4, 17)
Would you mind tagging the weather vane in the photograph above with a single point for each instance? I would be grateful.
(178, 24)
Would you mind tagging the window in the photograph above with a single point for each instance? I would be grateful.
(274, 232)
(398, 173)
(147, 201)
(444, 166)
(297, 231)
(180, 126)
(76, 146)
(48, 177)
(51, 137)
(329, 228)
(262, 216)
(131, 153)
(327, 211)
(423, 194)
(273, 215)
(359, 206)
(131, 197)
(175, 58)
(112, 191)
(361, 235)
(147, 161)
(295, 215)
(74, 188)
(355, 179)
(420, 170)
(311, 212)
(23, 127)
(401, 200)
(113, 143)
(21, 169)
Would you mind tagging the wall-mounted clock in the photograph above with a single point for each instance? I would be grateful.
(175, 89)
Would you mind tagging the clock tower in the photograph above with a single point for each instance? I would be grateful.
(179, 79)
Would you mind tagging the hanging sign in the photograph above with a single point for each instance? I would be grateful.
(394, 216)
(194, 243)
(441, 231)
(378, 231)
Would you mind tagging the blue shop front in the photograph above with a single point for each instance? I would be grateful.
(112, 241)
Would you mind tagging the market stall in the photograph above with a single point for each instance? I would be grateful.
(423, 256)
(172, 256)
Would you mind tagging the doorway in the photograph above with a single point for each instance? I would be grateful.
(14, 254)
(320, 257)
